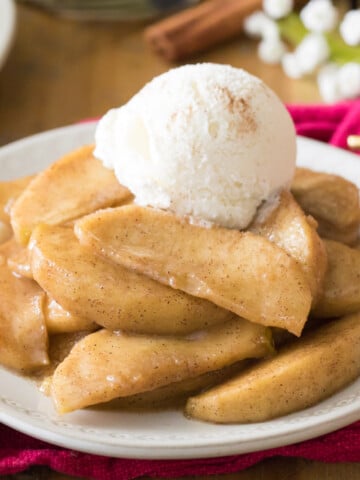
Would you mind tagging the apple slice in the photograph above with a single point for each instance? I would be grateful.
(175, 394)
(331, 200)
(300, 375)
(93, 288)
(241, 272)
(341, 293)
(73, 186)
(58, 320)
(60, 346)
(9, 192)
(18, 258)
(106, 365)
(23, 336)
(288, 227)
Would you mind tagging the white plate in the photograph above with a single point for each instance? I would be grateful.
(165, 434)
(7, 27)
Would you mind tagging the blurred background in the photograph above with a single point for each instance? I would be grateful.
(64, 60)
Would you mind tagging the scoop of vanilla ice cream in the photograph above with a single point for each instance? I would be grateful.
(207, 141)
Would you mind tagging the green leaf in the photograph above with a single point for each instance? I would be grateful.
(292, 29)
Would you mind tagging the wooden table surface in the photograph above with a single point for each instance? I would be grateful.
(60, 71)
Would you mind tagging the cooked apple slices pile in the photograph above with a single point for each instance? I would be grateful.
(112, 302)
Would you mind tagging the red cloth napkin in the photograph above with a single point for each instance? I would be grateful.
(18, 452)
(328, 123)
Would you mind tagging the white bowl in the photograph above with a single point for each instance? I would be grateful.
(7, 27)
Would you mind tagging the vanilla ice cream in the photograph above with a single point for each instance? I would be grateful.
(207, 141)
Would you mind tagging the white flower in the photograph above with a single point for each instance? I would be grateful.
(290, 66)
(328, 83)
(278, 8)
(350, 27)
(253, 24)
(339, 83)
(319, 16)
(271, 50)
(312, 52)
(348, 79)
(260, 25)
(271, 30)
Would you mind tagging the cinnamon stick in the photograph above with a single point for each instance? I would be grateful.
(195, 29)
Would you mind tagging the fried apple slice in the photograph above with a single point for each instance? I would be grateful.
(73, 186)
(348, 236)
(300, 375)
(106, 365)
(331, 200)
(242, 272)
(175, 394)
(288, 227)
(23, 336)
(9, 192)
(341, 294)
(59, 320)
(18, 259)
(89, 286)
(5, 232)
(60, 346)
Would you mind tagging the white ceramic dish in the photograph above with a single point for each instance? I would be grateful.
(7, 27)
(165, 434)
